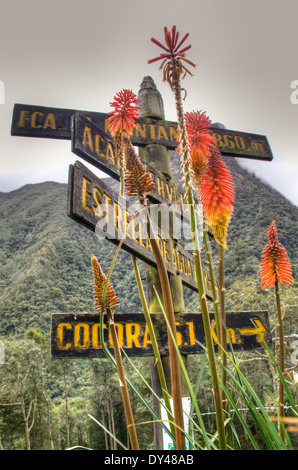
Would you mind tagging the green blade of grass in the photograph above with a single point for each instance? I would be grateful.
(101, 330)
(107, 431)
(193, 397)
(257, 410)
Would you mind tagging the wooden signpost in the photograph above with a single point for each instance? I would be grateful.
(92, 203)
(88, 194)
(95, 205)
(77, 335)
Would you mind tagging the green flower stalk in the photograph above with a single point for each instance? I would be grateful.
(139, 183)
(217, 197)
(173, 66)
(111, 302)
(276, 269)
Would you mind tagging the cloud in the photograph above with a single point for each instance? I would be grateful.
(279, 175)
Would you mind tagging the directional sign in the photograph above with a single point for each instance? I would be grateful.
(97, 147)
(95, 205)
(78, 334)
(55, 123)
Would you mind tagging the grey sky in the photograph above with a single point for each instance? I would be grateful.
(76, 54)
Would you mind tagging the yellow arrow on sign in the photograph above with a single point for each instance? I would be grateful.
(254, 330)
(258, 329)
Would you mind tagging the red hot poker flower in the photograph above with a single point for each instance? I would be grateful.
(217, 195)
(275, 264)
(200, 141)
(125, 112)
(111, 299)
(199, 132)
(174, 56)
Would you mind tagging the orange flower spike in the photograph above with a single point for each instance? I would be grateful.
(111, 299)
(125, 112)
(275, 264)
(199, 132)
(217, 189)
(217, 195)
(200, 141)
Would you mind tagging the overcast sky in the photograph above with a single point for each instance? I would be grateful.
(78, 54)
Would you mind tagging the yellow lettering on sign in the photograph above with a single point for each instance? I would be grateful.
(108, 199)
(152, 176)
(127, 219)
(107, 126)
(190, 272)
(166, 251)
(218, 139)
(173, 133)
(160, 242)
(230, 334)
(33, 119)
(239, 142)
(185, 271)
(162, 134)
(23, 118)
(99, 139)
(111, 155)
(180, 261)
(152, 130)
(81, 335)
(60, 331)
(85, 193)
(146, 339)
(118, 217)
(141, 231)
(191, 328)
(97, 194)
(161, 187)
(95, 335)
(257, 147)
(170, 192)
(87, 138)
(132, 334)
(50, 121)
(228, 140)
(148, 244)
(140, 130)
(179, 335)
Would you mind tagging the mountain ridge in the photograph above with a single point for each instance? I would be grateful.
(45, 256)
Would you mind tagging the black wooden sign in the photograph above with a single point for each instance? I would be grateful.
(77, 335)
(97, 147)
(55, 123)
(95, 205)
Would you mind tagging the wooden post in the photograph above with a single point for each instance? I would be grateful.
(151, 107)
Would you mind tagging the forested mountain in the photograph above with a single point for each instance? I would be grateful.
(45, 256)
(45, 268)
